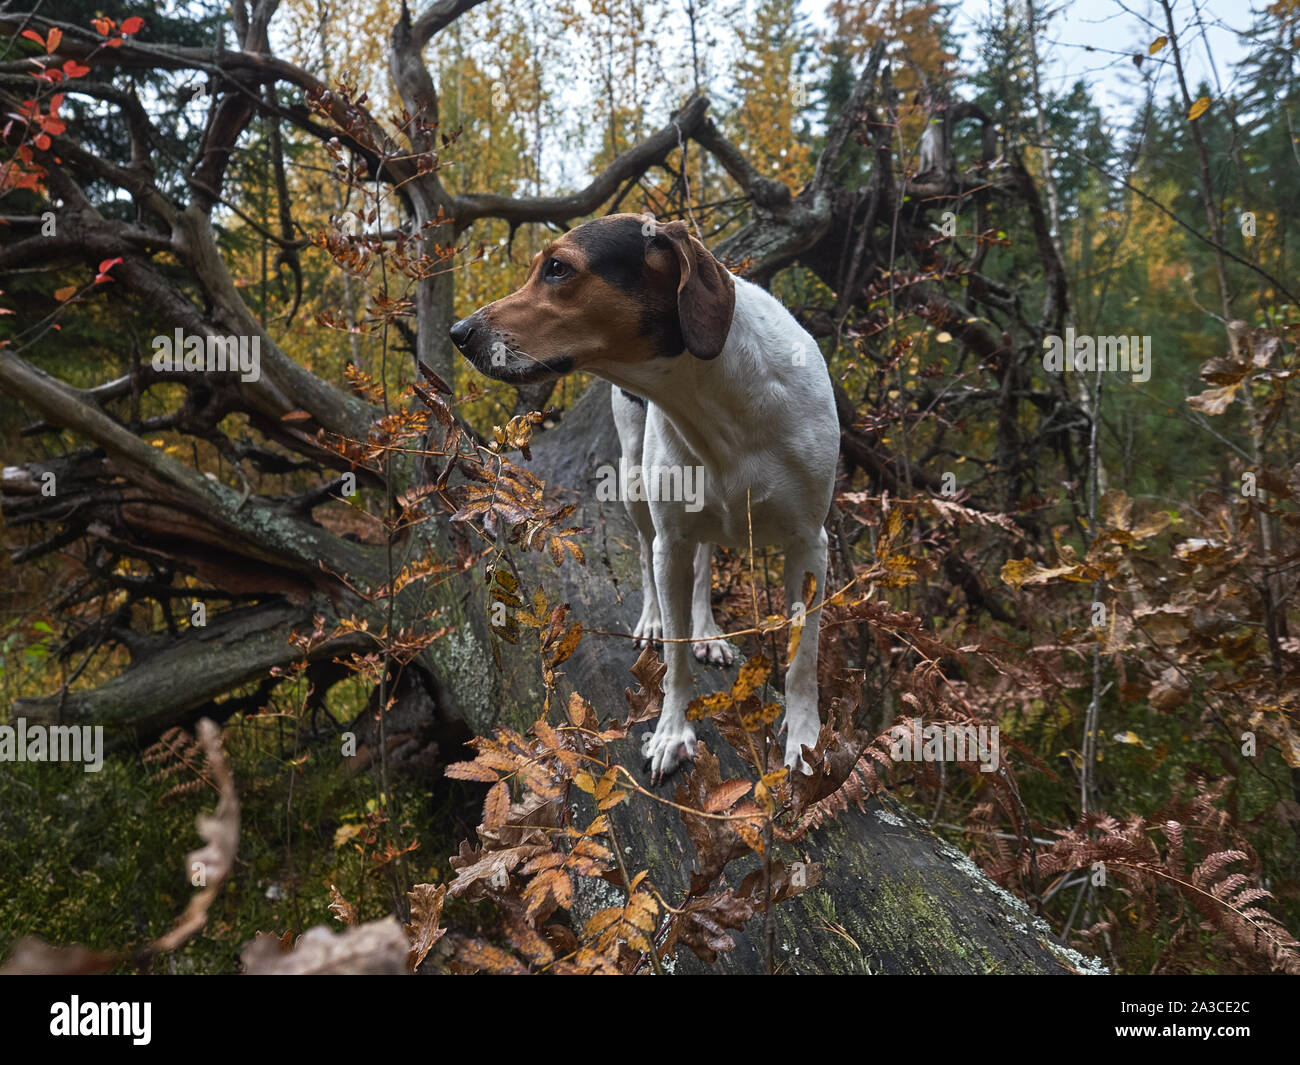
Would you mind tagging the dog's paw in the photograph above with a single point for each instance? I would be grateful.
(665, 750)
(714, 652)
(648, 630)
(801, 731)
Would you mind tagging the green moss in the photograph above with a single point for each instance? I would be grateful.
(99, 858)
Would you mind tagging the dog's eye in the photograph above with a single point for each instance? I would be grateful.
(554, 270)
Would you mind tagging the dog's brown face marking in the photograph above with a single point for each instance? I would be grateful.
(606, 291)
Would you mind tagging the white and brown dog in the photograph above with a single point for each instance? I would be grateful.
(734, 386)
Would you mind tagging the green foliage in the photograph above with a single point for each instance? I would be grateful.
(1123, 741)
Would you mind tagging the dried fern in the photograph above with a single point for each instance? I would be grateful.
(177, 754)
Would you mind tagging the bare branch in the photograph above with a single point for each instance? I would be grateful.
(563, 209)
(437, 17)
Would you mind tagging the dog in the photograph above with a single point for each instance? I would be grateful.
(709, 371)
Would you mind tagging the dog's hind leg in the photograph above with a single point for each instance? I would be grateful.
(802, 721)
(715, 651)
(629, 420)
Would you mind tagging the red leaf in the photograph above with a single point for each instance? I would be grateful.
(104, 268)
(132, 25)
(73, 69)
(52, 42)
(113, 42)
(32, 35)
(42, 141)
(56, 101)
(103, 25)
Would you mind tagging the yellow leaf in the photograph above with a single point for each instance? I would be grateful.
(641, 902)
(66, 293)
(707, 705)
(1157, 44)
(944, 337)
(602, 919)
(893, 524)
(792, 646)
(754, 716)
(1076, 759)
(569, 644)
(1198, 109)
(579, 711)
(751, 676)
(750, 835)
(347, 832)
(1018, 572)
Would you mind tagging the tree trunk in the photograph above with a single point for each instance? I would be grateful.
(892, 898)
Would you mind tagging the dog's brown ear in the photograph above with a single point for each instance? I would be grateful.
(706, 292)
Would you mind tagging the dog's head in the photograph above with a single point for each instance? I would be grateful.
(615, 290)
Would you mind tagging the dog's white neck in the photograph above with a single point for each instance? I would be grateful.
(720, 405)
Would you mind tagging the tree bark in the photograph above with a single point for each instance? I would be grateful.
(892, 898)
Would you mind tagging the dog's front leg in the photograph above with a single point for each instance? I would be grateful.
(802, 721)
(649, 628)
(673, 740)
(630, 421)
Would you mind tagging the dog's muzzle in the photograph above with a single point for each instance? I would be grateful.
(476, 341)
(463, 331)
(488, 353)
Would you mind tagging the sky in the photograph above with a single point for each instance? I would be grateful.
(1094, 40)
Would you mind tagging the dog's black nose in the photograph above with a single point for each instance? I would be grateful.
(462, 331)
